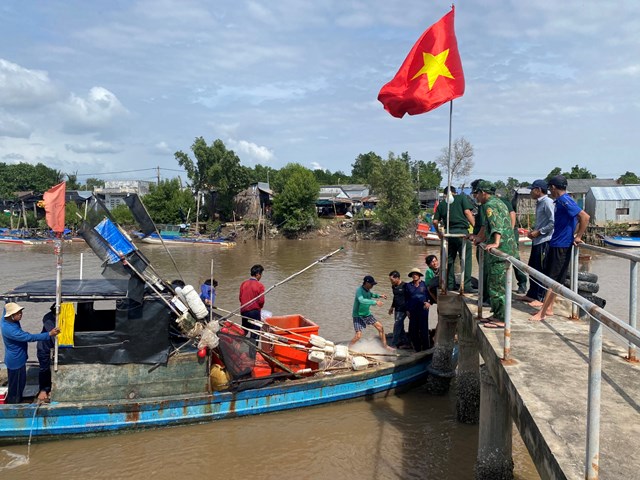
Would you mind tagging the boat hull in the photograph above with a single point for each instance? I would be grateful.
(187, 241)
(622, 241)
(64, 419)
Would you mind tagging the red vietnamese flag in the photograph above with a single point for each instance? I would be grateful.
(430, 75)
(54, 206)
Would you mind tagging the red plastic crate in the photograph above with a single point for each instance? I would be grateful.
(298, 329)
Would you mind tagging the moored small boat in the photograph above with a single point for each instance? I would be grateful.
(177, 240)
(424, 231)
(620, 241)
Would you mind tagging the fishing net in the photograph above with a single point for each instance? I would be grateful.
(239, 355)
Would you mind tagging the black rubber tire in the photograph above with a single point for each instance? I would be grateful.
(599, 301)
(584, 287)
(585, 277)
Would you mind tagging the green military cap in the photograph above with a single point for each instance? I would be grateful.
(483, 186)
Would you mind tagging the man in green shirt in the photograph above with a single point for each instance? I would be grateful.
(498, 234)
(458, 209)
(361, 313)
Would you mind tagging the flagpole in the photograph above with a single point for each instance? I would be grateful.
(449, 176)
(57, 248)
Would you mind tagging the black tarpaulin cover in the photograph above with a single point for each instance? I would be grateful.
(72, 289)
(140, 331)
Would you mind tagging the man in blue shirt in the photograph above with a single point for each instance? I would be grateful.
(15, 349)
(567, 216)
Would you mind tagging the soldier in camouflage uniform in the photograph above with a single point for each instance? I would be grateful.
(498, 233)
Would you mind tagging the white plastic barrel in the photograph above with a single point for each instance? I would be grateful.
(194, 301)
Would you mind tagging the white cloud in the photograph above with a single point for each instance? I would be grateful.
(99, 110)
(162, 148)
(13, 127)
(316, 166)
(21, 87)
(248, 150)
(93, 147)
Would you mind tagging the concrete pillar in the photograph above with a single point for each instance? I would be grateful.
(443, 366)
(494, 443)
(468, 379)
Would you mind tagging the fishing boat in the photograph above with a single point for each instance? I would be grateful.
(620, 241)
(13, 240)
(107, 381)
(424, 231)
(155, 238)
(142, 353)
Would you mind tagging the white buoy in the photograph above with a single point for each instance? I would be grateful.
(341, 353)
(194, 301)
(316, 356)
(359, 363)
(317, 341)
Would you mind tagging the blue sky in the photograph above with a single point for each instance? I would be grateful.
(102, 87)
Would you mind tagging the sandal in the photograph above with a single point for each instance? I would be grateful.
(494, 325)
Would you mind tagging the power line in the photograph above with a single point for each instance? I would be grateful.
(126, 171)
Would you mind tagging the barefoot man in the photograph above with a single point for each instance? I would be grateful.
(540, 236)
(565, 234)
(361, 310)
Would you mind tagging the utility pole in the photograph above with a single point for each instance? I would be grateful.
(158, 170)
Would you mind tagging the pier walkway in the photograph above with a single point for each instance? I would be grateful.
(546, 385)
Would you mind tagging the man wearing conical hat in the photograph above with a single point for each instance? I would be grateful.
(15, 349)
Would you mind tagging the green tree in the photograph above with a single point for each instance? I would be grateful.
(396, 193)
(429, 175)
(294, 205)
(553, 173)
(93, 183)
(165, 200)
(262, 173)
(500, 185)
(461, 163)
(24, 177)
(512, 184)
(579, 172)
(215, 169)
(629, 178)
(122, 215)
(72, 181)
(364, 166)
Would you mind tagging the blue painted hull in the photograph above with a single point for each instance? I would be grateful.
(622, 241)
(90, 418)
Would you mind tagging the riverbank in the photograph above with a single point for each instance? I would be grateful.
(352, 230)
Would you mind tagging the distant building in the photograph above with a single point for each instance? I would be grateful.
(114, 191)
(619, 204)
(250, 202)
(344, 198)
(577, 188)
(333, 200)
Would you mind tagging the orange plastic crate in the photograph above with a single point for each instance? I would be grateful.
(298, 329)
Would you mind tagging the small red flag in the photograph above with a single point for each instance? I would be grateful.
(430, 75)
(54, 206)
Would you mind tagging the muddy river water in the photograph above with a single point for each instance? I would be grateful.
(413, 435)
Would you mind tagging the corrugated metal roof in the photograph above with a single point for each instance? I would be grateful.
(626, 192)
(582, 185)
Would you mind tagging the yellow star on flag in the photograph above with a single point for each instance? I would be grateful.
(434, 66)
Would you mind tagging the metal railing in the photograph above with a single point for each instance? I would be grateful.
(633, 284)
(598, 317)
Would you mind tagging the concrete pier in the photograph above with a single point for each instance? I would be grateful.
(544, 390)
(494, 443)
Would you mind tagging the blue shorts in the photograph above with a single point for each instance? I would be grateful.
(360, 323)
